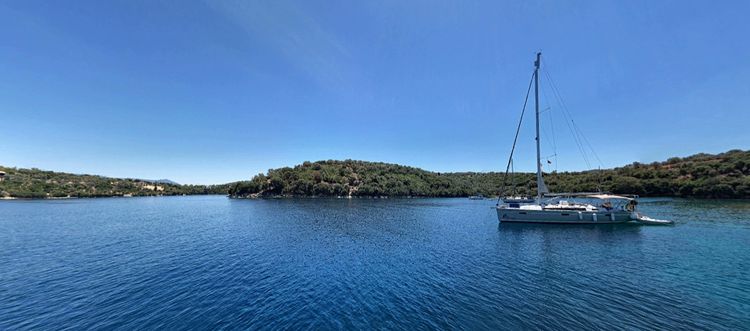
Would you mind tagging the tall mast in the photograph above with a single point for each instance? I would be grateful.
(540, 187)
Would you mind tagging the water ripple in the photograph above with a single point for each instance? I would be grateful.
(215, 263)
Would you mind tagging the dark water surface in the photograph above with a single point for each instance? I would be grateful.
(211, 262)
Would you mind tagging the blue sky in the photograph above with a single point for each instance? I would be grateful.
(216, 91)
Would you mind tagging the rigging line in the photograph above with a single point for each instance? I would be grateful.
(546, 134)
(592, 150)
(588, 144)
(554, 140)
(565, 108)
(551, 125)
(513, 176)
(563, 105)
(578, 135)
(515, 139)
(568, 120)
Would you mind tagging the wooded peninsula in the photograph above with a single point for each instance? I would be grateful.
(41, 184)
(725, 175)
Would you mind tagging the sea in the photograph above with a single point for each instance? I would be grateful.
(214, 263)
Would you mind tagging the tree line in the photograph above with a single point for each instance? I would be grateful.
(36, 183)
(725, 175)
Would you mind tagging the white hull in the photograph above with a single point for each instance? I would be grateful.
(643, 219)
(607, 208)
(561, 216)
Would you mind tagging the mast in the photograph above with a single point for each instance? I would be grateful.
(540, 187)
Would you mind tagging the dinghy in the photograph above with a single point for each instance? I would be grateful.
(643, 219)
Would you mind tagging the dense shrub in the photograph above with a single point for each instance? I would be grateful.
(724, 175)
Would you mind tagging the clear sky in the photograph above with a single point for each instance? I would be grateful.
(216, 91)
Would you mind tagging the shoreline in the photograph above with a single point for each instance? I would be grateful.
(440, 197)
(275, 197)
(107, 197)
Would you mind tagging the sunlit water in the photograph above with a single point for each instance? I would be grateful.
(210, 262)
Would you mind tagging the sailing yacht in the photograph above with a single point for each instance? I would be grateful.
(565, 208)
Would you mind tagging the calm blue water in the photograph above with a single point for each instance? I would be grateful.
(211, 262)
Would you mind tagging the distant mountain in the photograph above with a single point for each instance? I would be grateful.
(725, 175)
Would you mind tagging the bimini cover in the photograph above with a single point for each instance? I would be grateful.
(608, 196)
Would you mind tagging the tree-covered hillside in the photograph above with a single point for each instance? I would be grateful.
(726, 175)
(361, 178)
(35, 183)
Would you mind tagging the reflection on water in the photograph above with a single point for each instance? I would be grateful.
(586, 230)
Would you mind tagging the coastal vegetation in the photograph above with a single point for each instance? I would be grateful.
(36, 183)
(725, 175)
